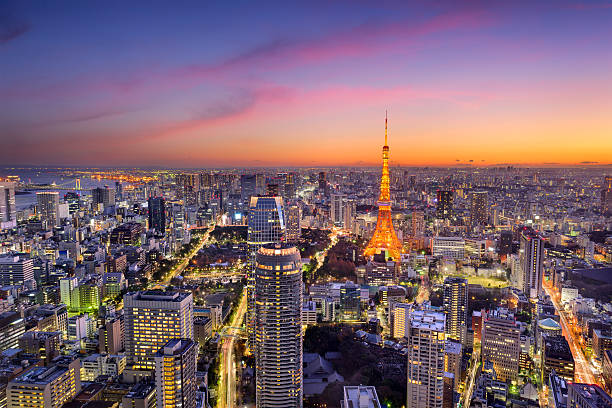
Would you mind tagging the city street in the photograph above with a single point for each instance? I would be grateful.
(583, 371)
(227, 369)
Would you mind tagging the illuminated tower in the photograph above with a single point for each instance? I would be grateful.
(384, 238)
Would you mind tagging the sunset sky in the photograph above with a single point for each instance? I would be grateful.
(251, 84)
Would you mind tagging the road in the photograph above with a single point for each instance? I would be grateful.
(583, 371)
(227, 369)
(178, 269)
(466, 396)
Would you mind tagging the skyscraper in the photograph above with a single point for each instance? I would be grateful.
(248, 187)
(350, 212)
(478, 208)
(157, 215)
(48, 208)
(152, 318)
(456, 308)
(606, 196)
(294, 228)
(175, 374)
(278, 323)
(337, 209)
(444, 204)
(505, 243)
(103, 195)
(531, 259)
(501, 343)
(8, 211)
(266, 225)
(384, 238)
(426, 343)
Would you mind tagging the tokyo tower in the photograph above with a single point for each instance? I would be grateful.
(384, 238)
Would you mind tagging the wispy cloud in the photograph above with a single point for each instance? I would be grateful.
(11, 27)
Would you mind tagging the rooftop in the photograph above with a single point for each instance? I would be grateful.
(360, 396)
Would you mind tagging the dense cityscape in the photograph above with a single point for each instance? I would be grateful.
(323, 204)
(464, 287)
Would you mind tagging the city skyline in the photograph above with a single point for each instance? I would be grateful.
(306, 86)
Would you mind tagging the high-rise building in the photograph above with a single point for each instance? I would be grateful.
(444, 204)
(606, 196)
(322, 183)
(294, 227)
(278, 323)
(45, 345)
(45, 387)
(8, 211)
(73, 200)
(478, 208)
(48, 208)
(103, 195)
(175, 374)
(12, 327)
(456, 308)
(16, 270)
(248, 188)
(505, 243)
(350, 213)
(337, 209)
(557, 356)
(400, 315)
(384, 238)
(531, 259)
(417, 223)
(289, 190)
(426, 344)
(152, 318)
(157, 215)
(111, 337)
(266, 225)
(501, 343)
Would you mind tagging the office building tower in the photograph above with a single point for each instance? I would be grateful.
(456, 308)
(266, 225)
(557, 357)
(278, 323)
(417, 223)
(587, 396)
(8, 211)
(426, 343)
(384, 239)
(501, 343)
(157, 215)
(322, 183)
(52, 318)
(400, 315)
(452, 361)
(449, 247)
(118, 191)
(350, 213)
(45, 387)
(152, 318)
(606, 196)
(478, 208)
(381, 273)
(111, 337)
(350, 302)
(294, 227)
(360, 396)
(12, 327)
(248, 188)
(48, 208)
(504, 246)
(175, 374)
(68, 293)
(289, 190)
(337, 209)
(16, 270)
(103, 195)
(531, 260)
(444, 204)
(74, 202)
(188, 187)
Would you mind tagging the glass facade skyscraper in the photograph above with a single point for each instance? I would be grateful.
(266, 225)
(278, 326)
